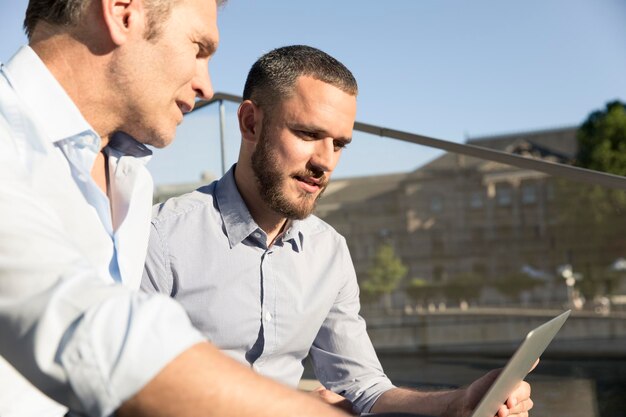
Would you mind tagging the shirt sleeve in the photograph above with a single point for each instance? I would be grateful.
(157, 273)
(84, 341)
(343, 357)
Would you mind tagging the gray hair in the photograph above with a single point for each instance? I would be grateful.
(273, 76)
(68, 13)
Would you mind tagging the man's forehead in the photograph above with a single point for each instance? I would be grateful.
(322, 92)
(202, 16)
(317, 106)
(309, 87)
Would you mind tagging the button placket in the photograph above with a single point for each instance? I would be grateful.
(268, 304)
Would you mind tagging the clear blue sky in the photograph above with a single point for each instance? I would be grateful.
(448, 69)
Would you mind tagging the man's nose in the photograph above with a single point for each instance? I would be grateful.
(325, 157)
(201, 83)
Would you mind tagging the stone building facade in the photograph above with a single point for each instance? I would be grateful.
(461, 219)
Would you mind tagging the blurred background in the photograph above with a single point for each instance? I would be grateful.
(457, 256)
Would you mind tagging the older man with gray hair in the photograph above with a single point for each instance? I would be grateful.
(100, 80)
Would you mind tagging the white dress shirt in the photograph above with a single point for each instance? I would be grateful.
(66, 323)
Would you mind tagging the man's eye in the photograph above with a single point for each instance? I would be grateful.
(340, 145)
(201, 51)
(308, 135)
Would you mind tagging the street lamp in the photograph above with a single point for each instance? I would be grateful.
(570, 277)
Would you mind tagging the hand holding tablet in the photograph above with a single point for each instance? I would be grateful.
(520, 364)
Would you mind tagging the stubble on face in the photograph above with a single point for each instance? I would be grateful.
(137, 114)
(272, 181)
(153, 76)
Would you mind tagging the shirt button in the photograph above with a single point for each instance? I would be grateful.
(268, 316)
(257, 234)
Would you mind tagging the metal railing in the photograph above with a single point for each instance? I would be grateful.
(552, 168)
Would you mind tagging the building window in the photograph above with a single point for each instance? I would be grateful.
(477, 235)
(505, 232)
(436, 242)
(550, 194)
(504, 196)
(479, 269)
(476, 200)
(411, 189)
(438, 273)
(529, 194)
(436, 204)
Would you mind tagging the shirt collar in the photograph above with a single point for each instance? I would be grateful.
(55, 110)
(45, 97)
(295, 233)
(237, 219)
(238, 222)
(128, 145)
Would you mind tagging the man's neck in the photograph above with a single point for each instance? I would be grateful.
(268, 220)
(275, 233)
(71, 64)
(81, 74)
(100, 172)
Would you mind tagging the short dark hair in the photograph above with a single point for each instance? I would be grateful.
(69, 12)
(273, 76)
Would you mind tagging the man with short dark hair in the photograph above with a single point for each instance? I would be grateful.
(99, 81)
(265, 280)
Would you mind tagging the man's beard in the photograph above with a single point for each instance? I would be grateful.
(271, 179)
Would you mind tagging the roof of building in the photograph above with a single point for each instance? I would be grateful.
(557, 140)
(557, 145)
(352, 190)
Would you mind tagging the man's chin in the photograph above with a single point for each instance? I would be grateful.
(159, 140)
(160, 144)
(302, 211)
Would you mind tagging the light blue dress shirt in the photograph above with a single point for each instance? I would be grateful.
(265, 306)
(71, 318)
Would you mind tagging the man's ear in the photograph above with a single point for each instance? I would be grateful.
(249, 115)
(124, 18)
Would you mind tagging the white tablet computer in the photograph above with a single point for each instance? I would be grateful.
(519, 365)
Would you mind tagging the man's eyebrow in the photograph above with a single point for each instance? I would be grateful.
(308, 128)
(208, 46)
(345, 140)
(317, 130)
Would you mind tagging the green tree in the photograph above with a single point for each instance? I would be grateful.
(512, 285)
(590, 221)
(467, 286)
(601, 281)
(422, 291)
(384, 275)
(602, 140)
(602, 147)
